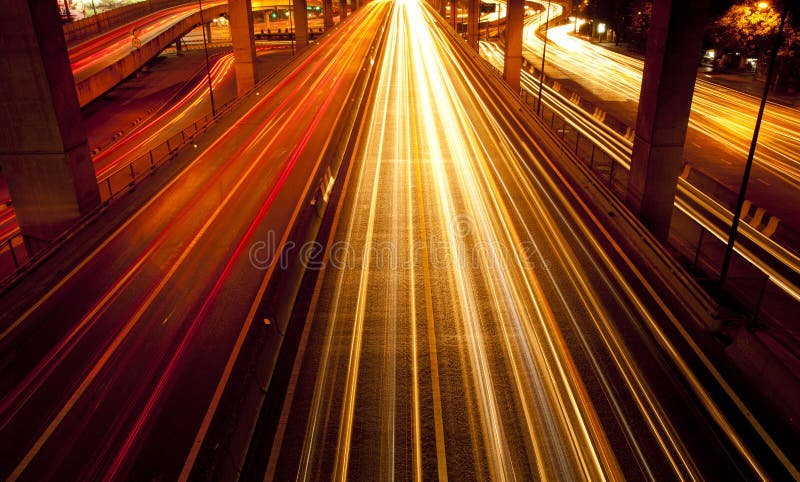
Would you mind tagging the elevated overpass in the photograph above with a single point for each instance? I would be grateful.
(104, 61)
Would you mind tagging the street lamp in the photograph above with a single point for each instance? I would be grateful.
(208, 65)
(544, 51)
(726, 261)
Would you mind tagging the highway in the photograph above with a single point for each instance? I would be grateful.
(473, 320)
(108, 372)
(720, 125)
(97, 53)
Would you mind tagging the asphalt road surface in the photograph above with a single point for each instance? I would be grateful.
(108, 373)
(473, 321)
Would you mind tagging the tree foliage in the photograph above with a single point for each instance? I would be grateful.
(750, 30)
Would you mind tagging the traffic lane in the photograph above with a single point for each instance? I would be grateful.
(193, 375)
(526, 389)
(561, 246)
(349, 342)
(677, 412)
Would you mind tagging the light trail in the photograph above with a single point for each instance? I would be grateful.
(780, 264)
(722, 115)
(96, 53)
(514, 277)
(240, 184)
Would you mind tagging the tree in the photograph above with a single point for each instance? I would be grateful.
(748, 30)
(640, 12)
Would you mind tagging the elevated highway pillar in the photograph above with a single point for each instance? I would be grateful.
(300, 12)
(670, 69)
(454, 13)
(473, 19)
(207, 26)
(342, 10)
(244, 44)
(327, 14)
(514, 25)
(43, 151)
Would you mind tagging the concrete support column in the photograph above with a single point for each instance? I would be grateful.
(342, 10)
(208, 32)
(442, 8)
(514, 24)
(244, 44)
(473, 22)
(327, 14)
(300, 13)
(43, 151)
(453, 13)
(670, 68)
(179, 47)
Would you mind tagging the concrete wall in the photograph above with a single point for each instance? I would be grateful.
(96, 85)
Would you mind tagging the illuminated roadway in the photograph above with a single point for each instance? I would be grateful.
(720, 125)
(781, 263)
(109, 372)
(97, 53)
(473, 320)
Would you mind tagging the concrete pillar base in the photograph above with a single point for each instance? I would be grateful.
(300, 13)
(670, 70)
(50, 192)
(244, 45)
(513, 61)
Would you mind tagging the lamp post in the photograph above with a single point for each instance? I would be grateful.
(737, 214)
(208, 65)
(544, 51)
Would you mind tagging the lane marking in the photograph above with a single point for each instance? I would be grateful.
(441, 459)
